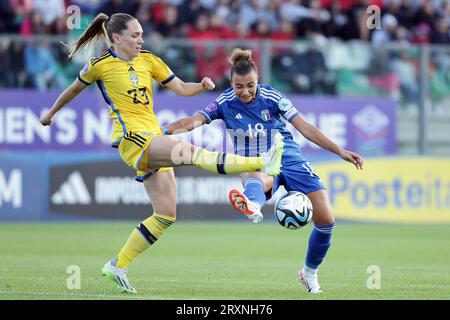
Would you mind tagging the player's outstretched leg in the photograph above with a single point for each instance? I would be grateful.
(228, 163)
(118, 276)
(245, 206)
(165, 152)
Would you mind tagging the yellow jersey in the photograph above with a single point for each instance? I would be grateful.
(126, 87)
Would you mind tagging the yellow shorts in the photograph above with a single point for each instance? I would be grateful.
(133, 151)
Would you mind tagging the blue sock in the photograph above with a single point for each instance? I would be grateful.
(254, 190)
(319, 242)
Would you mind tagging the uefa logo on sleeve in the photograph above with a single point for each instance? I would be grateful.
(211, 107)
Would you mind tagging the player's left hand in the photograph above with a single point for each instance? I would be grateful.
(353, 157)
(208, 84)
(46, 118)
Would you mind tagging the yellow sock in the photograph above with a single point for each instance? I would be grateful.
(143, 237)
(225, 163)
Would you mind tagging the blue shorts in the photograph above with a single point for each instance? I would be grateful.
(297, 175)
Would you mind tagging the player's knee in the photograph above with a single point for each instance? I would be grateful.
(169, 213)
(323, 217)
(244, 176)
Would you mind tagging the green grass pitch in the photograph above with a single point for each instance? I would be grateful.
(224, 260)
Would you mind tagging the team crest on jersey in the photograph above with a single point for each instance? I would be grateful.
(265, 115)
(134, 79)
(284, 104)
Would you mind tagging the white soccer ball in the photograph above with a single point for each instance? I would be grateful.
(293, 210)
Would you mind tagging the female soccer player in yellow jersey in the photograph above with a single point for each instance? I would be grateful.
(124, 76)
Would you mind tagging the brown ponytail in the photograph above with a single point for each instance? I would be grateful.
(241, 62)
(101, 26)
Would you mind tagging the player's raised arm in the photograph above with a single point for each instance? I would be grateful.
(313, 134)
(189, 88)
(64, 98)
(185, 124)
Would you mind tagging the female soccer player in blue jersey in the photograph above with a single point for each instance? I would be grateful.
(124, 74)
(254, 113)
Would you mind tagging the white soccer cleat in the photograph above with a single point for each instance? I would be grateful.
(272, 158)
(118, 276)
(310, 281)
(245, 206)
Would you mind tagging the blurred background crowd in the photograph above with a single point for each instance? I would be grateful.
(414, 21)
(330, 50)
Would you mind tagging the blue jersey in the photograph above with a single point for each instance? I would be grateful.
(252, 125)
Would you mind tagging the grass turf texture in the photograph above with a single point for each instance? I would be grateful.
(200, 260)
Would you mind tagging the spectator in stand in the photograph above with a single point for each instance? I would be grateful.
(4, 74)
(233, 17)
(7, 14)
(218, 26)
(426, 14)
(21, 7)
(240, 31)
(305, 68)
(208, 4)
(40, 66)
(22, 10)
(256, 10)
(51, 11)
(110, 7)
(441, 32)
(392, 7)
(405, 70)
(358, 15)
(421, 34)
(388, 30)
(189, 12)
(286, 31)
(158, 11)
(223, 9)
(201, 29)
(207, 56)
(144, 15)
(405, 14)
(347, 5)
(446, 10)
(170, 26)
(88, 7)
(338, 21)
(17, 76)
(316, 20)
(315, 68)
(33, 24)
(261, 30)
(293, 11)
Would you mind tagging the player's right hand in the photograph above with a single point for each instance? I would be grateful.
(208, 84)
(46, 119)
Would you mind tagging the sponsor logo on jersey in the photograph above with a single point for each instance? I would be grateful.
(238, 116)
